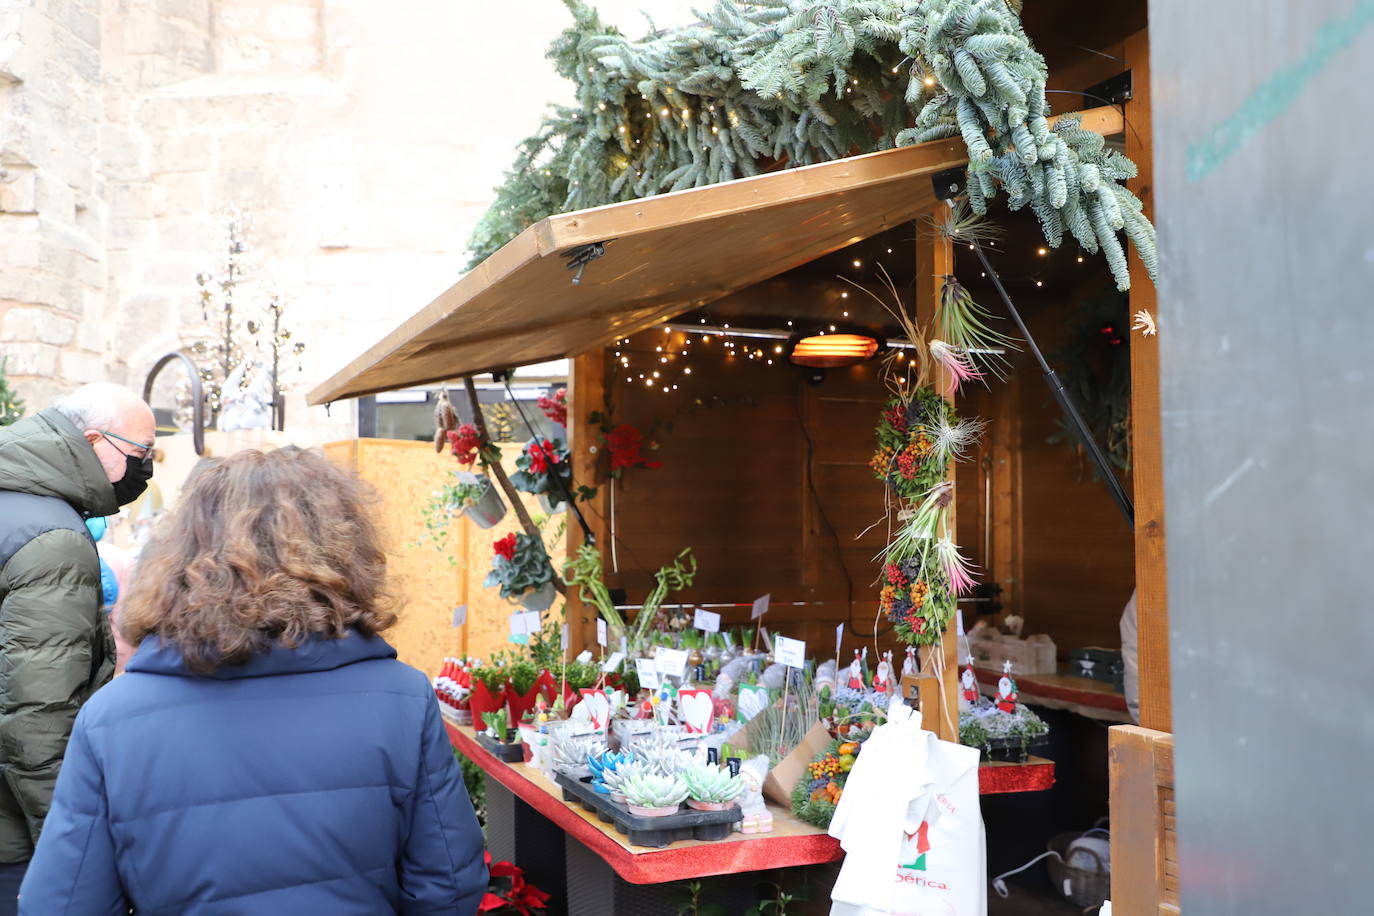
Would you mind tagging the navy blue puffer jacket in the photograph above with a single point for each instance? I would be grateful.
(315, 780)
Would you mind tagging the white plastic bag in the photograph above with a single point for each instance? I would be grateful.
(911, 826)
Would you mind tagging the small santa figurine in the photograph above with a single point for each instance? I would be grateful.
(909, 665)
(856, 672)
(882, 680)
(1006, 689)
(968, 682)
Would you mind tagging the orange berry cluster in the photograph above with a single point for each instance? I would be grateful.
(826, 766)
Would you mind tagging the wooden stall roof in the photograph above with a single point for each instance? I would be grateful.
(664, 255)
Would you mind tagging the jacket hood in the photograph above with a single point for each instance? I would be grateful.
(317, 653)
(46, 455)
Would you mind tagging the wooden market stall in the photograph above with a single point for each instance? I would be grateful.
(768, 478)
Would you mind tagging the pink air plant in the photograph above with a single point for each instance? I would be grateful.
(955, 567)
(956, 363)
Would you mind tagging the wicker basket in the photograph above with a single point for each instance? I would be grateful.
(1082, 887)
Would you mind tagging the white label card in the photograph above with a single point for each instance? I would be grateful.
(839, 639)
(517, 625)
(790, 652)
(600, 631)
(706, 620)
(767, 639)
(613, 663)
(760, 607)
(648, 674)
(460, 615)
(671, 662)
(584, 656)
(563, 639)
(532, 623)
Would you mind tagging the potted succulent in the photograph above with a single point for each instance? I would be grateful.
(710, 788)
(539, 464)
(614, 780)
(652, 795)
(521, 567)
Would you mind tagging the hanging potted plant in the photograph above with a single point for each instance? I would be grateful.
(522, 569)
(536, 469)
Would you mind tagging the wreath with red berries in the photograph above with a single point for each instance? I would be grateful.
(905, 457)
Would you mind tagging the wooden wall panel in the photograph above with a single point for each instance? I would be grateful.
(430, 586)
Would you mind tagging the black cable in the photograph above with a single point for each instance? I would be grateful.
(820, 507)
(1061, 396)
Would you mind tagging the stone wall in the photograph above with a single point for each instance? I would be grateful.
(52, 200)
(363, 137)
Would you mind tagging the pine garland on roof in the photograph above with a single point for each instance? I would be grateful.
(761, 83)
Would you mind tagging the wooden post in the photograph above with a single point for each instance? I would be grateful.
(1143, 836)
(586, 393)
(507, 487)
(939, 697)
(1151, 572)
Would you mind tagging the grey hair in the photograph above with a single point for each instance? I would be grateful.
(95, 406)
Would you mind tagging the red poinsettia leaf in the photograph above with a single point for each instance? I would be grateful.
(491, 902)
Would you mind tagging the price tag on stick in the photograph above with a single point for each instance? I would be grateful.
(709, 621)
(460, 615)
(760, 607)
(648, 674)
(671, 662)
(613, 663)
(839, 639)
(790, 652)
(600, 631)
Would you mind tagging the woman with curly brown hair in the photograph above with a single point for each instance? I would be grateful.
(265, 752)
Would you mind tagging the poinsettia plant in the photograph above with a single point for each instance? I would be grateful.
(469, 446)
(537, 465)
(509, 892)
(555, 406)
(519, 564)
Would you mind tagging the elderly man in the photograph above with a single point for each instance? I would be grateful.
(80, 459)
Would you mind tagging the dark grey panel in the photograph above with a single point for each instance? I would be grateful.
(1263, 132)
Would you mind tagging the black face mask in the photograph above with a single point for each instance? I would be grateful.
(137, 473)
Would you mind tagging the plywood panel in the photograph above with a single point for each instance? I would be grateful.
(432, 582)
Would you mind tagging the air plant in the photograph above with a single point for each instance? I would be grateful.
(917, 373)
(959, 223)
(956, 362)
(953, 440)
(955, 566)
(650, 790)
(964, 325)
(921, 524)
(712, 784)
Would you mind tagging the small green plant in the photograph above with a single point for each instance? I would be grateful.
(691, 905)
(522, 672)
(444, 506)
(712, 784)
(492, 676)
(496, 721)
(650, 790)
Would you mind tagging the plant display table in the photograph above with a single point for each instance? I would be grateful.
(1081, 695)
(591, 868)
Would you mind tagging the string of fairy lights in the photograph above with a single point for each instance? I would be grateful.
(668, 366)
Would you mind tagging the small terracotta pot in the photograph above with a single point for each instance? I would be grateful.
(711, 806)
(652, 812)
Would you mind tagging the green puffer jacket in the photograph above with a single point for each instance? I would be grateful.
(55, 643)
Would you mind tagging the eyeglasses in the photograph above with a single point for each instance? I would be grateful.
(143, 450)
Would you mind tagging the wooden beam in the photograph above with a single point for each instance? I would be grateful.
(586, 393)
(1147, 459)
(1144, 848)
(939, 696)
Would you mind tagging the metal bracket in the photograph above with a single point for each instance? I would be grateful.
(1114, 91)
(949, 184)
(579, 257)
